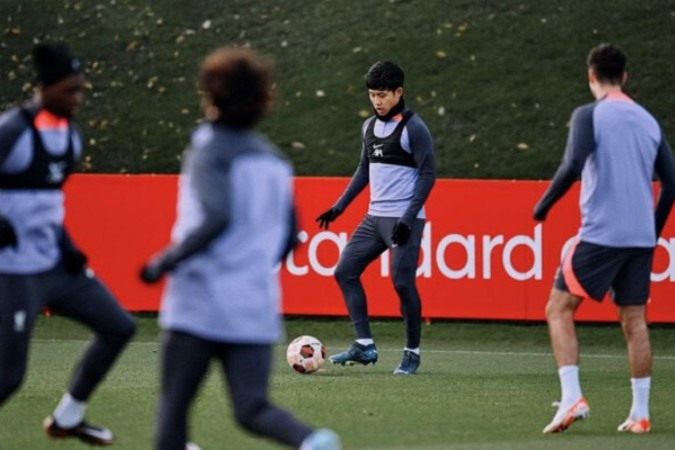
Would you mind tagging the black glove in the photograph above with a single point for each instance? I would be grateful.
(539, 213)
(74, 262)
(327, 217)
(400, 234)
(7, 234)
(153, 270)
(72, 257)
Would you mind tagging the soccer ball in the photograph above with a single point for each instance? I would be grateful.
(306, 354)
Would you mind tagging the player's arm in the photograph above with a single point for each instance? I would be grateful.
(358, 183)
(664, 167)
(580, 144)
(422, 149)
(210, 180)
(12, 126)
(292, 240)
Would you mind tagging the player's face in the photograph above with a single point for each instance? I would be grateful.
(383, 101)
(64, 97)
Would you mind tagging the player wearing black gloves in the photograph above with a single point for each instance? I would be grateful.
(397, 160)
(40, 266)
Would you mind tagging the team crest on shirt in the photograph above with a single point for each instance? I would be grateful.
(377, 151)
(57, 172)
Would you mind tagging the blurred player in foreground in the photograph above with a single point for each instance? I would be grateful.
(397, 160)
(617, 147)
(235, 222)
(40, 266)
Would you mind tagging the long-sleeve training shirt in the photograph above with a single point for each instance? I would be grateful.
(395, 190)
(617, 147)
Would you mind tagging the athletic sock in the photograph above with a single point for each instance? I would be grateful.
(640, 407)
(69, 412)
(414, 350)
(365, 341)
(569, 384)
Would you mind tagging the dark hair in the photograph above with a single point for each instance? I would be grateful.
(385, 76)
(608, 62)
(239, 83)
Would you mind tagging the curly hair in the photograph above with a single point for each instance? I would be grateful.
(239, 83)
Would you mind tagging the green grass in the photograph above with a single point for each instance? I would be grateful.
(486, 76)
(482, 385)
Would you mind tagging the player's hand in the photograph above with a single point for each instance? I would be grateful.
(539, 213)
(400, 234)
(152, 271)
(7, 234)
(74, 261)
(327, 217)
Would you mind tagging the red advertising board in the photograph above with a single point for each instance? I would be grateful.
(483, 256)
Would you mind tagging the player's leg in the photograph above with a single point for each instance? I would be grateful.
(631, 293)
(572, 406)
(85, 299)
(20, 303)
(184, 361)
(587, 271)
(565, 297)
(246, 369)
(404, 259)
(363, 248)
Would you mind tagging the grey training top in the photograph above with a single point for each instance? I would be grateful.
(233, 220)
(617, 147)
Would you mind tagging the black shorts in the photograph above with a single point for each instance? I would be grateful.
(590, 270)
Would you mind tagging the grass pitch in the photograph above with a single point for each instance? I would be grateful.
(481, 385)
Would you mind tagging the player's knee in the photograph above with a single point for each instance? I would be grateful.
(404, 285)
(124, 331)
(560, 304)
(248, 415)
(344, 275)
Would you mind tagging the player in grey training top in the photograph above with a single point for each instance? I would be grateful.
(40, 266)
(235, 222)
(617, 147)
(397, 160)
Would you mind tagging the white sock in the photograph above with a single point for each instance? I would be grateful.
(640, 407)
(414, 350)
(365, 341)
(569, 384)
(69, 412)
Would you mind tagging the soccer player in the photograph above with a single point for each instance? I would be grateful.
(397, 160)
(617, 147)
(235, 222)
(40, 266)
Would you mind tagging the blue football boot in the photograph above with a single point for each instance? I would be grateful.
(409, 363)
(356, 353)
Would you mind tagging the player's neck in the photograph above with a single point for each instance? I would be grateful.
(605, 90)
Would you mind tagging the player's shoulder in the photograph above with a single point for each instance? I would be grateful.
(202, 136)
(584, 112)
(415, 123)
(13, 124)
(366, 123)
(12, 121)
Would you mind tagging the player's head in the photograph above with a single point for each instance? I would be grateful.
(607, 65)
(385, 75)
(60, 82)
(237, 85)
(384, 81)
